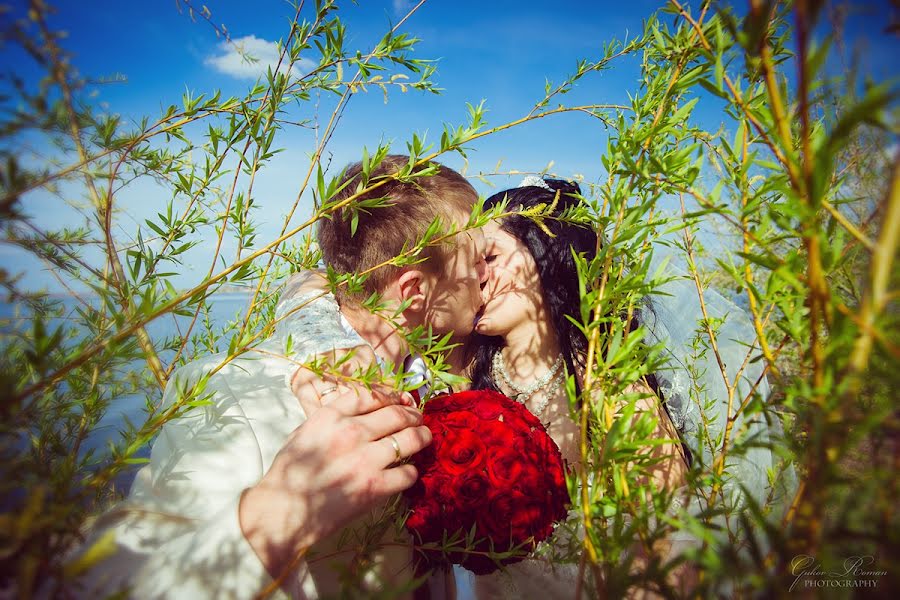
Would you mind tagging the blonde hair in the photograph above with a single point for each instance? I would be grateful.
(382, 232)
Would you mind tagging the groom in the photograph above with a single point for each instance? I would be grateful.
(238, 488)
(442, 292)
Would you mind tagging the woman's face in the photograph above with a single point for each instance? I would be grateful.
(513, 293)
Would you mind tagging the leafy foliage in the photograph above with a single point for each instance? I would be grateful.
(795, 180)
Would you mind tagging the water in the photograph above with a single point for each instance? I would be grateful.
(224, 307)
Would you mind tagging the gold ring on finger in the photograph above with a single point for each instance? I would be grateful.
(396, 448)
(327, 391)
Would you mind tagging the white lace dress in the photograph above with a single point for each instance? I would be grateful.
(551, 572)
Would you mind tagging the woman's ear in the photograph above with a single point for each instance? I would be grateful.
(413, 288)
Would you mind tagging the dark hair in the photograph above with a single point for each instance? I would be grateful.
(383, 232)
(558, 277)
(553, 256)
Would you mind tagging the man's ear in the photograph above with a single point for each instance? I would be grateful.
(413, 288)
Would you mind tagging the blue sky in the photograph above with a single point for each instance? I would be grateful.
(501, 52)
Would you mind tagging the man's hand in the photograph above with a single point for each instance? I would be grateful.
(332, 468)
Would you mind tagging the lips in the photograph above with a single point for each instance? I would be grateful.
(478, 315)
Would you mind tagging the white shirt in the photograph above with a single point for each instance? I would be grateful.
(177, 535)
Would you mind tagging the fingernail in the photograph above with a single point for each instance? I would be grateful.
(408, 399)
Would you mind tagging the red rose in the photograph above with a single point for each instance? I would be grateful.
(472, 488)
(462, 450)
(505, 468)
(450, 403)
(461, 419)
(491, 466)
(497, 430)
(500, 508)
(531, 479)
(425, 518)
(526, 520)
(489, 411)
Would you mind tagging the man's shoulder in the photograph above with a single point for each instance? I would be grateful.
(259, 371)
(266, 355)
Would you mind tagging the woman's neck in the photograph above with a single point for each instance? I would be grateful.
(531, 350)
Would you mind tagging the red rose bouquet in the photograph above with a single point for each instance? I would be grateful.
(492, 466)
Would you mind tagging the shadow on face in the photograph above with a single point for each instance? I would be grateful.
(456, 296)
(514, 297)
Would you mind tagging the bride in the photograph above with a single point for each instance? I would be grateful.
(527, 341)
(527, 338)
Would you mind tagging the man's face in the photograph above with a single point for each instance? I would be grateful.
(456, 299)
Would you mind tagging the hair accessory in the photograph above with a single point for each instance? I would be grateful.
(535, 181)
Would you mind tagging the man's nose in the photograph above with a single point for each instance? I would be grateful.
(483, 273)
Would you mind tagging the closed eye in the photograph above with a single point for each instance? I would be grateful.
(490, 258)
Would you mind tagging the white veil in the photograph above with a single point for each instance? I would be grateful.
(697, 398)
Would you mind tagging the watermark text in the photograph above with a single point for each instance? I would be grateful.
(854, 572)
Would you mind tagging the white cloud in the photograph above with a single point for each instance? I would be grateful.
(233, 58)
(401, 7)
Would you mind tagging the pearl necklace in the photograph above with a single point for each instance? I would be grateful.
(524, 394)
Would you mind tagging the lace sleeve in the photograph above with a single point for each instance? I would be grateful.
(310, 324)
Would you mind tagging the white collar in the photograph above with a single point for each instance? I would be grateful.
(414, 365)
(419, 374)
